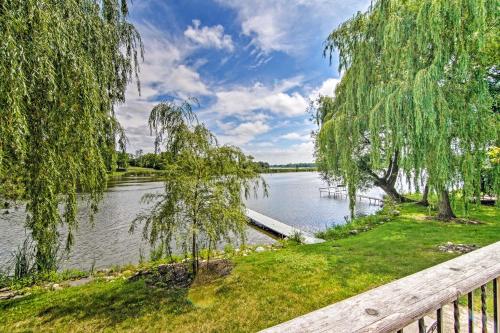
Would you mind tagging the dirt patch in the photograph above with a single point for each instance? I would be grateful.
(457, 248)
(456, 220)
(214, 270)
(176, 275)
(180, 275)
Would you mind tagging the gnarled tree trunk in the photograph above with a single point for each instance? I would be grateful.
(388, 181)
(445, 212)
(425, 196)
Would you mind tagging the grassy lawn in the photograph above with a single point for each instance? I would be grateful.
(264, 288)
(135, 171)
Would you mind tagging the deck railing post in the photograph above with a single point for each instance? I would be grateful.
(470, 306)
(439, 320)
(484, 318)
(495, 305)
(421, 325)
(456, 316)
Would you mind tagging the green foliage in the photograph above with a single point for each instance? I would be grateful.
(64, 66)
(490, 172)
(296, 238)
(150, 160)
(23, 260)
(204, 182)
(122, 161)
(413, 86)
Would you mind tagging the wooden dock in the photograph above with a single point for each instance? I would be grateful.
(279, 228)
(341, 192)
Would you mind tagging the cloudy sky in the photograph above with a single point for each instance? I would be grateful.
(253, 65)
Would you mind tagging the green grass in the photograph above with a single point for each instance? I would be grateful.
(265, 288)
(135, 171)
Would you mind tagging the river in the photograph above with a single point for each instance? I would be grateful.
(293, 199)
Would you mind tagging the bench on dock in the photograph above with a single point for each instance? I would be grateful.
(279, 228)
(375, 201)
(424, 302)
(337, 190)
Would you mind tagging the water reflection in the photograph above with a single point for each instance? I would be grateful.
(293, 199)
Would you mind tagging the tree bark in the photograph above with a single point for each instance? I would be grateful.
(425, 196)
(445, 212)
(391, 191)
(388, 181)
(194, 254)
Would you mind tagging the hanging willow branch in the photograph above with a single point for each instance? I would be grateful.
(414, 82)
(64, 65)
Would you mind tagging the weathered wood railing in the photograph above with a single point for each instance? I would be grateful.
(416, 299)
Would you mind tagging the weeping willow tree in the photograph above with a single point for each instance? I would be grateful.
(205, 184)
(64, 66)
(415, 87)
(382, 176)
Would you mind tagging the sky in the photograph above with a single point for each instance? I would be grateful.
(254, 67)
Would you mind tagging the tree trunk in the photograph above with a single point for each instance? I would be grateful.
(209, 250)
(445, 212)
(391, 191)
(194, 254)
(388, 181)
(425, 196)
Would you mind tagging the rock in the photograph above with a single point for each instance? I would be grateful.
(7, 294)
(396, 212)
(449, 247)
(127, 273)
(79, 282)
(56, 286)
(260, 249)
(354, 232)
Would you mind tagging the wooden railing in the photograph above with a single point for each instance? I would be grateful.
(417, 303)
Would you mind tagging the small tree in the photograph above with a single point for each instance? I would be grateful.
(204, 183)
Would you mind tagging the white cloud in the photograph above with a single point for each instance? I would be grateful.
(288, 25)
(302, 152)
(163, 73)
(245, 100)
(209, 36)
(294, 136)
(327, 88)
(242, 133)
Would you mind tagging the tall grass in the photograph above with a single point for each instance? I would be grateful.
(24, 262)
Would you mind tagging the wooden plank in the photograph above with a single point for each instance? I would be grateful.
(395, 305)
(279, 228)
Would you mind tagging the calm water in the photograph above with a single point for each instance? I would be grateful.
(293, 199)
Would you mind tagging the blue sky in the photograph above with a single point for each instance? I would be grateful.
(253, 65)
